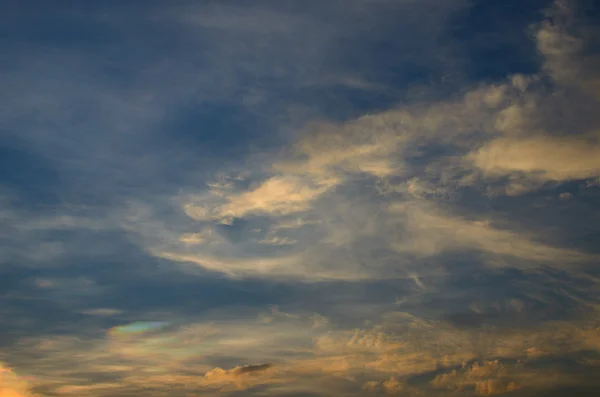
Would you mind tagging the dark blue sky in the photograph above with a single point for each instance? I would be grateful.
(316, 198)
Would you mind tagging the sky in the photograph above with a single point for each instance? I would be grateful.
(299, 198)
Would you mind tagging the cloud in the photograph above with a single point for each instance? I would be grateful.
(432, 232)
(88, 390)
(564, 40)
(12, 385)
(489, 378)
(279, 195)
(102, 312)
(336, 212)
(393, 386)
(159, 357)
(494, 377)
(320, 164)
(496, 139)
(330, 151)
(531, 149)
(540, 159)
(398, 353)
(332, 176)
(278, 241)
(593, 183)
(240, 266)
(413, 227)
(241, 377)
(46, 239)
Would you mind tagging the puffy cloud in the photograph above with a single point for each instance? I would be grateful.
(546, 137)
(539, 159)
(371, 386)
(489, 378)
(563, 40)
(392, 386)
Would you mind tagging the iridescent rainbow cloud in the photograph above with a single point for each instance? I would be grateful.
(135, 328)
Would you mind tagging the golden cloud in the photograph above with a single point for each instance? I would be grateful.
(12, 385)
(487, 379)
(541, 159)
(393, 350)
(240, 377)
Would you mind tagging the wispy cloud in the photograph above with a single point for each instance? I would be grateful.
(495, 140)
(286, 199)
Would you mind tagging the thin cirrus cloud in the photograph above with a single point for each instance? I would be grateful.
(499, 139)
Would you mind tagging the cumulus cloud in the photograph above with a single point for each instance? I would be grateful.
(392, 386)
(489, 378)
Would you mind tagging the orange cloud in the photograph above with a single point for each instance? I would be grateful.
(240, 377)
(12, 385)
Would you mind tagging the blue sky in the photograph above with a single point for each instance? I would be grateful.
(299, 198)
